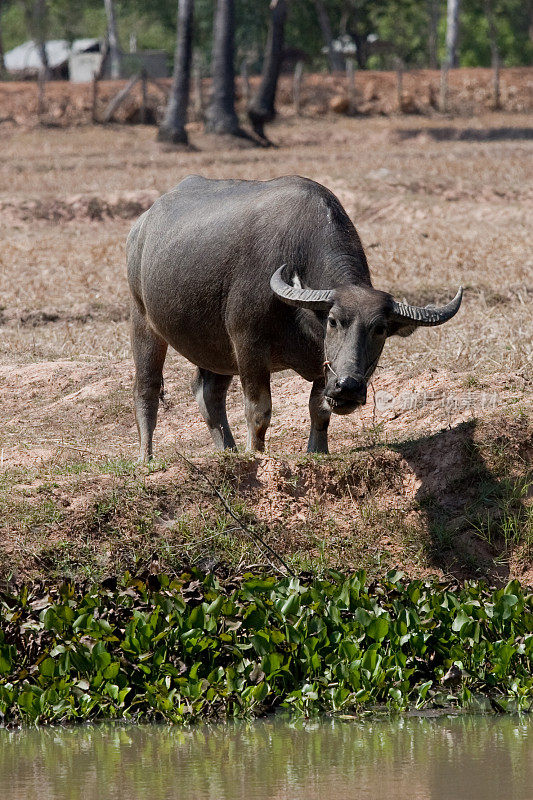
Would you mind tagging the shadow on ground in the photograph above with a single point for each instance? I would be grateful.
(449, 133)
(475, 515)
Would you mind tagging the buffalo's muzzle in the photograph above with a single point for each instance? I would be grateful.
(346, 393)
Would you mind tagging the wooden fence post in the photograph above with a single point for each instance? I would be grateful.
(495, 54)
(41, 83)
(144, 97)
(496, 99)
(350, 79)
(399, 83)
(94, 101)
(443, 101)
(297, 87)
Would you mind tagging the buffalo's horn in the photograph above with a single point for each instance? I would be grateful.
(427, 315)
(317, 299)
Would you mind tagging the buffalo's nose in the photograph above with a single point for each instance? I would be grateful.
(348, 387)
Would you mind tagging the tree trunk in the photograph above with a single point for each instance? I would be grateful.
(433, 38)
(40, 32)
(220, 116)
(114, 52)
(36, 18)
(452, 32)
(262, 108)
(2, 62)
(336, 61)
(172, 128)
(495, 53)
(361, 52)
(349, 24)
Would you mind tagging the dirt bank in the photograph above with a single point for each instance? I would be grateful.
(376, 93)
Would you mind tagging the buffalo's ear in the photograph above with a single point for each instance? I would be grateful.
(400, 329)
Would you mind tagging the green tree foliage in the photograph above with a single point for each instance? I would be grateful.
(513, 19)
(403, 23)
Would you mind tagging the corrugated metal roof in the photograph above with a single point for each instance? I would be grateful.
(26, 56)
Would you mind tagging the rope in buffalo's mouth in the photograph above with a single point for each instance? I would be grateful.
(327, 364)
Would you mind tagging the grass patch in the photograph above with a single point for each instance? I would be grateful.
(506, 521)
(455, 503)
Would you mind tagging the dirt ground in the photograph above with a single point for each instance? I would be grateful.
(470, 91)
(433, 475)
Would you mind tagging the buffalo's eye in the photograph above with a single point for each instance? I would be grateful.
(332, 322)
(380, 329)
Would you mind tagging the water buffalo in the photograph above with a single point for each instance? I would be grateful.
(252, 277)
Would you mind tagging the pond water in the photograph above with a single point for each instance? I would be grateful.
(462, 758)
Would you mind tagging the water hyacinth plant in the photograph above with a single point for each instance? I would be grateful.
(198, 647)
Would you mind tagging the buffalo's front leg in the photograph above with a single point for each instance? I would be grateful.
(210, 390)
(320, 416)
(257, 406)
(149, 352)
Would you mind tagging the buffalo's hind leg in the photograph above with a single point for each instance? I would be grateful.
(210, 390)
(149, 351)
(320, 416)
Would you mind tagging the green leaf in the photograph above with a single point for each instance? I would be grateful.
(216, 605)
(291, 605)
(197, 617)
(112, 670)
(261, 643)
(260, 691)
(460, 620)
(5, 661)
(395, 694)
(371, 658)
(47, 667)
(378, 628)
(363, 617)
(424, 688)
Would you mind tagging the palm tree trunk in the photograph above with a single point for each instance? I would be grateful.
(172, 128)
(335, 59)
(112, 36)
(262, 108)
(221, 116)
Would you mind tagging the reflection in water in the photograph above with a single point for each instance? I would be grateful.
(465, 758)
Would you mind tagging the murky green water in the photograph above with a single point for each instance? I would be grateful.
(469, 758)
